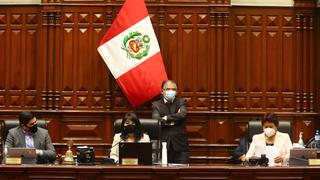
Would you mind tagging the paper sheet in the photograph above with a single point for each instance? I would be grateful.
(271, 153)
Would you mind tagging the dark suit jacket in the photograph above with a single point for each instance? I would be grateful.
(239, 151)
(42, 140)
(175, 135)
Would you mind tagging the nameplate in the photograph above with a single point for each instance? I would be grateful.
(13, 160)
(314, 162)
(129, 161)
(68, 163)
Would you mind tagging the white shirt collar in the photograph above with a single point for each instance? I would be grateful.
(165, 101)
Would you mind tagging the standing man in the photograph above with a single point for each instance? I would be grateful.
(171, 111)
(29, 135)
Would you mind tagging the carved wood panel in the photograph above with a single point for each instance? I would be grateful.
(269, 69)
(19, 33)
(264, 57)
(231, 64)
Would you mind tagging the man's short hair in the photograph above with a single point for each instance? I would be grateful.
(25, 117)
(164, 83)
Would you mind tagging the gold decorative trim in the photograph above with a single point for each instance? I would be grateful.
(20, 2)
(281, 3)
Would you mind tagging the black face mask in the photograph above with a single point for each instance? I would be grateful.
(33, 129)
(129, 129)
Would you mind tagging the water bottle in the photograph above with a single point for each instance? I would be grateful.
(300, 142)
(316, 143)
(164, 159)
(5, 152)
(317, 136)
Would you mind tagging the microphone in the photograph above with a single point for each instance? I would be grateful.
(116, 144)
(309, 142)
(108, 160)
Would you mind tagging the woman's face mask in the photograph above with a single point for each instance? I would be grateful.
(269, 132)
(130, 128)
(169, 95)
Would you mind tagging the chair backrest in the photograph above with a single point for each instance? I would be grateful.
(8, 124)
(150, 126)
(255, 127)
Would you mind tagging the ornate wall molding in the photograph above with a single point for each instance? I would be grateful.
(232, 64)
(305, 3)
(201, 40)
(274, 3)
(20, 2)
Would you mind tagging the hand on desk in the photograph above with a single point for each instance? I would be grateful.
(278, 159)
(243, 158)
(39, 152)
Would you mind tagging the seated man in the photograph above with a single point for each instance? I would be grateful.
(239, 153)
(29, 135)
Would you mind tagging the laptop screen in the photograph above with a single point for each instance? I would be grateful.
(141, 151)
(301, 156)
(303, 153)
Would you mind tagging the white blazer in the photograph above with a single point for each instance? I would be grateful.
(114, 153)
(282, 142)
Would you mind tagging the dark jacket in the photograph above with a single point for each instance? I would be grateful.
(239, 151)
(174, 128)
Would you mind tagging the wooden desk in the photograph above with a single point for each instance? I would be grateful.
(45, 172)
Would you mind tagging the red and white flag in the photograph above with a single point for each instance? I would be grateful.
(131, 51)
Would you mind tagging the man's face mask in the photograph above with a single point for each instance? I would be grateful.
(169, 95)
(130, 128)
(33, 129)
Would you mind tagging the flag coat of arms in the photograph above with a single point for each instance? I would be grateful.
(131, 51)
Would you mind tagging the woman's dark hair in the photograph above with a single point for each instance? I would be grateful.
(270, 117)
(138, 130)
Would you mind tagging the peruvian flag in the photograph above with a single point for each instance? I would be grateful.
(131, 51)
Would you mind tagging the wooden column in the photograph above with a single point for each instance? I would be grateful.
(305, 54)
(219, 56)
(50, 56)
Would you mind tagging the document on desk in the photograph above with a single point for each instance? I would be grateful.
(271, 153)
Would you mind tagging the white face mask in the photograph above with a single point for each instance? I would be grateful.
(269, 132)
(169, 95)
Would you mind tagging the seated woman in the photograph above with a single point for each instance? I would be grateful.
(131, 131)
(271, 137)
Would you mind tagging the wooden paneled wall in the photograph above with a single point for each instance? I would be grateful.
(231, 63)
